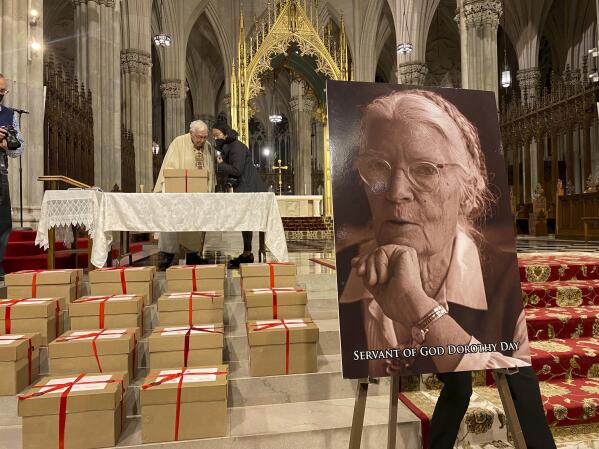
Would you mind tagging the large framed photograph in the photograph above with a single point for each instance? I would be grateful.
(426, 257)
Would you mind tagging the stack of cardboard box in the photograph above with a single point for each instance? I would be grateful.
(19, 361)
(81, 411)
(185, 395)
(64, 284)
(123, 281)
(282, 337)
(185, 180)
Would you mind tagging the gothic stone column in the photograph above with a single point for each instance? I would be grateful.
(174, 109)
(137, 109)
(412, 73)
(98, 31)
(480, 19)
(25, 81)
(301, 125)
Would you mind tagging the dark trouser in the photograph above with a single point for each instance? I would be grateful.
(5, 211)
(247, 241)
(455, 397)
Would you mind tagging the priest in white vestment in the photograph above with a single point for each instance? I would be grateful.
(189, 151)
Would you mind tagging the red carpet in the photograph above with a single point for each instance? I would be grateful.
(23, 254)
(561, 299)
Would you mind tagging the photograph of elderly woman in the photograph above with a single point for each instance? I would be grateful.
(426, 257)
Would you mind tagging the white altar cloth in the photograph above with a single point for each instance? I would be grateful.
(63, 208)
(177, 212)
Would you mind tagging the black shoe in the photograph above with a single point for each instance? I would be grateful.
(234, 263)
(195, 259)
(165, 261)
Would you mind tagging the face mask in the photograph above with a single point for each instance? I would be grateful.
(219, 143)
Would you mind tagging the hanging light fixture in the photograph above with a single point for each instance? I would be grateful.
(162, 39)
(506, 74)
(405, 47)
(155, 149)
(275, 116)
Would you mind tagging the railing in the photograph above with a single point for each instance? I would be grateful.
(55, 181)
(570, 211)
(567, 108)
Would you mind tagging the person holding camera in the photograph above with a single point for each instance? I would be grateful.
(11, 145)
(235, 161)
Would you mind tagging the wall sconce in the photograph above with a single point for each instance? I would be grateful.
(34, 17)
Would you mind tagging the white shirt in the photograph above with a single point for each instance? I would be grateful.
(464, 269)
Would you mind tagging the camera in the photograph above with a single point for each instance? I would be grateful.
(11, 137)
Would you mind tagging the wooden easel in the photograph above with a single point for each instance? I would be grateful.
(355, 438)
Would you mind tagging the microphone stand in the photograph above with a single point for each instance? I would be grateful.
(21, 227)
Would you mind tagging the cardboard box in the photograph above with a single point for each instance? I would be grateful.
(130, 274)
(265, 282)
(123, 281)
(175, 309)
(204, 346)
(64, 284)
(19, 362)
(61, 284)
(201, 404)
(41, 315)
(265, 269)
(93, 415)
(282, 347)
(277, 304)
(107, 312)
(180, 278)
(191, 180)
(94, 351)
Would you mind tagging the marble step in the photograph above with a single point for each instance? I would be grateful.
(316, 424)
(244, 390)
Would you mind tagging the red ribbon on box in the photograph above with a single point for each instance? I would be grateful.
(62, 410)
(29, 351)
(275, 298)
(189, 330)
(193, 294)
(283, 323)
(123, 280)
(94, 336)
(102, 303)
(180, 375)
(271, 268)
(33, 279)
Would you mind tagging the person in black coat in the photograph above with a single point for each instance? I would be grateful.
(235, 161)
